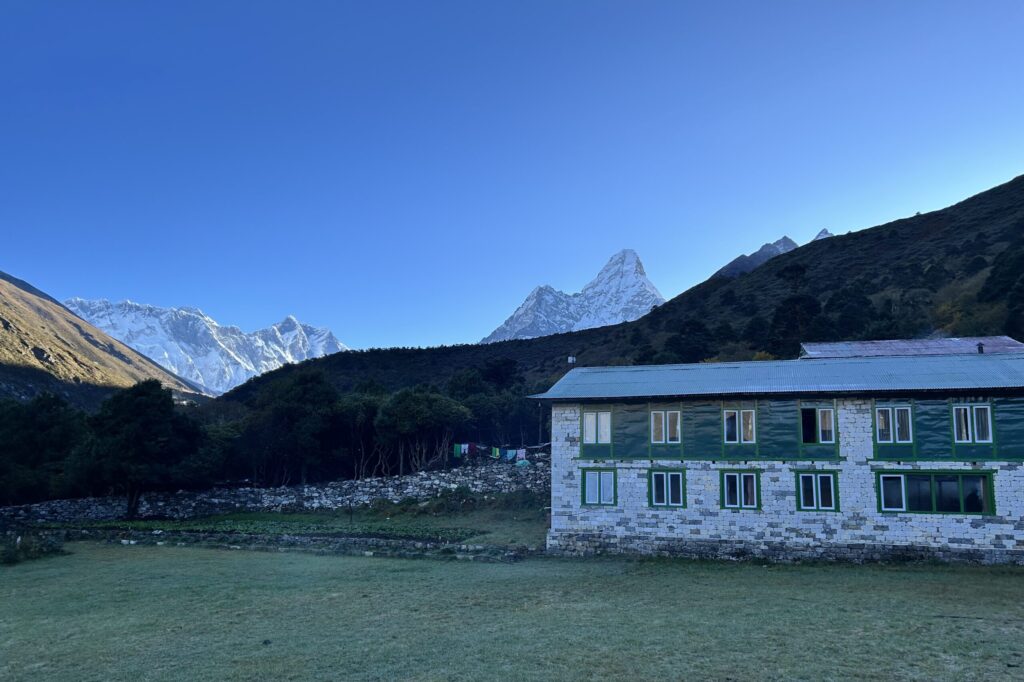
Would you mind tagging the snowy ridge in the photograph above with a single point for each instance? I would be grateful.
(621, 292)
(194, 346)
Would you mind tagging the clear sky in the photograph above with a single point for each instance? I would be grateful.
(406, 172)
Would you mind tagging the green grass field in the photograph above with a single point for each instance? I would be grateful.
(109, 612)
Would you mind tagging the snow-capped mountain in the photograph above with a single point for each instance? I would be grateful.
(621, 292)
(194, 346)
(824, 234)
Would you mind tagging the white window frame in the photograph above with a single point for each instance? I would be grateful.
(974, 422)
(903, 492)
(740, 476)
(966, 410)
(753, 427)
(604, 419)
(679, 426)
(664, 427)
(896, 424)
(816, 490)
(878, 426)
(725, 425)
(592, 427)
(597, 491)
(667, 488)
(832, 421)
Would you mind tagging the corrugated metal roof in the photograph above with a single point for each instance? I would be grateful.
(903, 347)
(825, 376)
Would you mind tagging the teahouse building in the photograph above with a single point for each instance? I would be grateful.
(866, 450)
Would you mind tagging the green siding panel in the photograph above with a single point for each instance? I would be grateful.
(631, 431)
(706, 430)
(779, 429)
(933, 429)
(1008, 425)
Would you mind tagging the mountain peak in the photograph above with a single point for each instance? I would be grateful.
(194, 346)
(745, 263)
(620, 292)
(824, 234)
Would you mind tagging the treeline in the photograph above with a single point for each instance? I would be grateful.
(304, 431)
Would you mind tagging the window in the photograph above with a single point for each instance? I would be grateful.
(972, 423)
(667, 489)
(816, 491)
(597, 427)
(741, 490)
(738, 426)
(665, 426)
(945, 492)
(599, 487)
(818, 425)
(893, 425)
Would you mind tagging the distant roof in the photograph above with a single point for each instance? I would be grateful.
(904, 347)
(856, 376)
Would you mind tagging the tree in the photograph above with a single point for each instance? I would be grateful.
(35, 440)
(138, 443)
(420, 426)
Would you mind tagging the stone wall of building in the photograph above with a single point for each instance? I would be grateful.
(778, 530)
(496, 477)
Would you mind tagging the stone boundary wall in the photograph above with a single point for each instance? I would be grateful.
(496, 477)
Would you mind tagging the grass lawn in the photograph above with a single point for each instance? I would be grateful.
(110, 612)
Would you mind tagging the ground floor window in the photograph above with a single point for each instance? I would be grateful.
(741, 489)
(666, 488)
(599, 487)
(938, 492)
(816, 491)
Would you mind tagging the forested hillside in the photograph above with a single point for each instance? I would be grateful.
(956, 271)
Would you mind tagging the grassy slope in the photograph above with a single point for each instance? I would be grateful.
(920, 262)
(162, 613)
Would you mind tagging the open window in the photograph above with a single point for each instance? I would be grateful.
(817, 425)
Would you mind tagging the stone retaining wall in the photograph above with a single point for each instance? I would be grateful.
(495, 477)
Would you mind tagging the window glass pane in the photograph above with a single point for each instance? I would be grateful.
(808, 428)
(591, 486)
(892, 492)
(807, 491)
(961, 424)
(982, 424)
(589, 427)
(883, 424)
(825, 492)
(947, 493)
(675, 489)
(749, 490)
(604, 427)
(673, 427)
(825, 421)
(657, 427)
(658, 488)
(731, 427)
(607, 487)
(748, 426)
(903, 425)
(975, 500)
(732, 490)
(919, 493)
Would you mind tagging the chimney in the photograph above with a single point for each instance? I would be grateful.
(981, 348)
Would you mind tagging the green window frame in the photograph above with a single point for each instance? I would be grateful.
(662, 491)
(894, 425)
(970, 493)
(744, 427)
(594, 483)
(817, 490)
(824, 429)
(735, 491)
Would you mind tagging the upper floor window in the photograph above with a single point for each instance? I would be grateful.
(665, 426)
(738, 426)
(818, 425)
(972, 423)
(597, 427)
(893, 425)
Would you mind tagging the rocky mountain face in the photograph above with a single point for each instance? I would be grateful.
(621, 292)
(44, 348)
(744, 264)
(193, 345)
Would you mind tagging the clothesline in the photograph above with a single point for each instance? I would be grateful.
(461, 450)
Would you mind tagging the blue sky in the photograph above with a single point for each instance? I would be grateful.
(406, 172)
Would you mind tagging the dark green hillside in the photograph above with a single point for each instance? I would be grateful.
(956, 271)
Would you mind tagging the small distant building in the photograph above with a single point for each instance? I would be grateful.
(859, 451)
